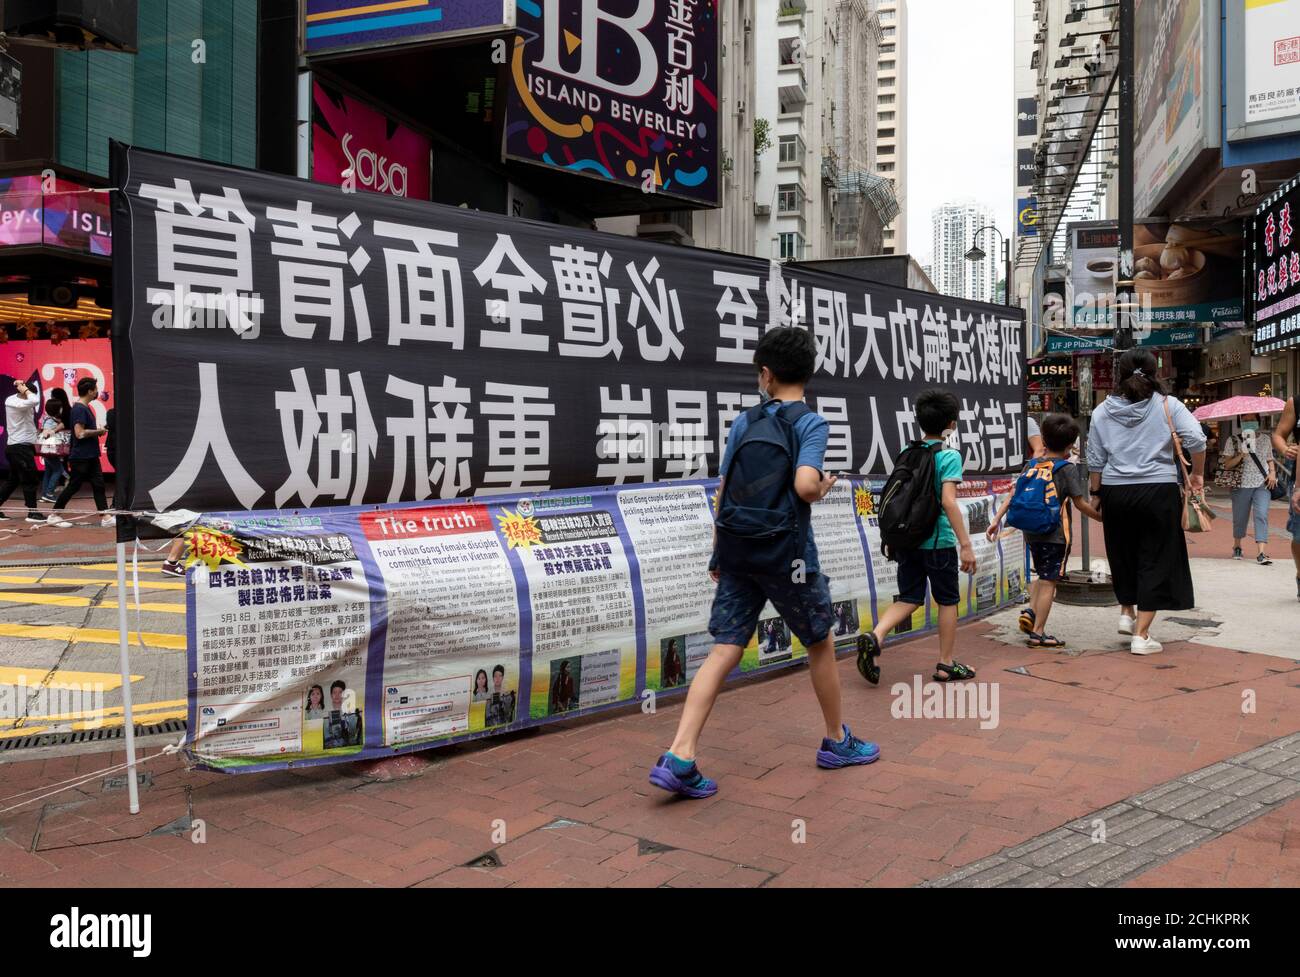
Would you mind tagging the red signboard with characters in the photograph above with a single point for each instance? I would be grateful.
(45, 366)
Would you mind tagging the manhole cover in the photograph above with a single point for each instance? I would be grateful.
(119, 783)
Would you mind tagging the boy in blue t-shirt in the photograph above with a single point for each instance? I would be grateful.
(938, 559)
(785, 358)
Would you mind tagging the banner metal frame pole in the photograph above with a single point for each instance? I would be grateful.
(128, 716)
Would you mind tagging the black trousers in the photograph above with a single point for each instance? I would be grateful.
(1146, 546)
(84, 470)
(22, 471)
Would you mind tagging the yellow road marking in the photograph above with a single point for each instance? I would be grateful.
(93, 636)
(84, 566)
(63, 600)
(152, 585)
(64, 678)
(25, 731)
(148, 708)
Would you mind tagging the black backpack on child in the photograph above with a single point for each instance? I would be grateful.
(909, 505)
(762, 524)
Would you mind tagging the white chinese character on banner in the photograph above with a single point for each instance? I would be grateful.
(438, 435)
(1016, 454)
(311, 285)
(872, 324)
(681, 49)
(878, 454)
(1011, 351)
(935, 347)
(686, 445)
(519, 437)
(839, 439)
(905, 417)
(737, 317)
(209, 437)
(994, 435)
(663, 310)
(589, 306)
(335, 446)
(512, 311)
(205, 255)
(903, 329)
(730, 406)
(786, 304)
(963, 370)
(968, 423)
(626, 439)
(831, 330)
(425, 297)
(987, 333)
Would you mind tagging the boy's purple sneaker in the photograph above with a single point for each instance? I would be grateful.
(681, 777)
(848, 752)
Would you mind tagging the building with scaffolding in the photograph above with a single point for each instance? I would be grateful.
(817, 194)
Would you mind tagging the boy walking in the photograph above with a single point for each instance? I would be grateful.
(1040, 507)
(764, 550)
(938, 559)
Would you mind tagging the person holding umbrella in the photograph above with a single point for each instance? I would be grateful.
(1258, 478)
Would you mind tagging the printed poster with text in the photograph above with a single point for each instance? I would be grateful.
(282, 626)
(584, 620)
(452, 649)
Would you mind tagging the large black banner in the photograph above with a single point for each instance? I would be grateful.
(284, 344)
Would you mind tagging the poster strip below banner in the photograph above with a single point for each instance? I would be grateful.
(328, 635)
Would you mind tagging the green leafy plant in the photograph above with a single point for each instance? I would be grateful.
(762, 136)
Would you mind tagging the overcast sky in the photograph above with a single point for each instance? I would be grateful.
(961, 115)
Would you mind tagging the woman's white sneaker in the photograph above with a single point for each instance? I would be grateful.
(1127, 624)
(1144, 646)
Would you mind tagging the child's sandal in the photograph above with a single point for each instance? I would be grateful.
(956, 672)
(1045, 641)
(1027, 620)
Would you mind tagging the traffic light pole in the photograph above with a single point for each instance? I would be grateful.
(1124, 295)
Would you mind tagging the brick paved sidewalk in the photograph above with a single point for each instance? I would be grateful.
(1076, 735)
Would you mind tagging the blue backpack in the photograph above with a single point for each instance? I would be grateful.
(762, 524)
(1036, 506)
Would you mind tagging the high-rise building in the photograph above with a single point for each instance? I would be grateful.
(817, 194)
(954, 226)
(891, 116)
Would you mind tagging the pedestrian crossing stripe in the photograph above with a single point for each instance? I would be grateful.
(92, 636)
(82, 582)
(64, 678)
(172, 708)
(65, 600)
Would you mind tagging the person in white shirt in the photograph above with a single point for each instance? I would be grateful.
(20, 448)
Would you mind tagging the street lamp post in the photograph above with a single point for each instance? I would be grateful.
(976, 253)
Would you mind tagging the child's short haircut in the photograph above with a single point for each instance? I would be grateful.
(935, 410)
(1059, 432)
(788, 352)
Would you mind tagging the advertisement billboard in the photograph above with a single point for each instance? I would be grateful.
(1094, 260)
(1027, 217)
(1188, 272)
(1273, 263)
(1027, 116)
(331, 26)
(356, 145)
(628, 98)
(51, 212)
(1262, 59)
(1176, 94)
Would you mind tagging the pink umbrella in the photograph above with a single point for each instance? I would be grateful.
(1236, 406)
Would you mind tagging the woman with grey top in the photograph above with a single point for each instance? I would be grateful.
(1135, 481)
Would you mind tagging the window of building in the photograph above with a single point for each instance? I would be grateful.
(886, 49)
(159, 98)
(886, 167)
(889, 32)
(887, 65)
(886, 15)
(788, 198)
(886, 149)
(884, 116)
(888, 82)
(885, 134)
(790, 150)
(791, 245)
(885, 99)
